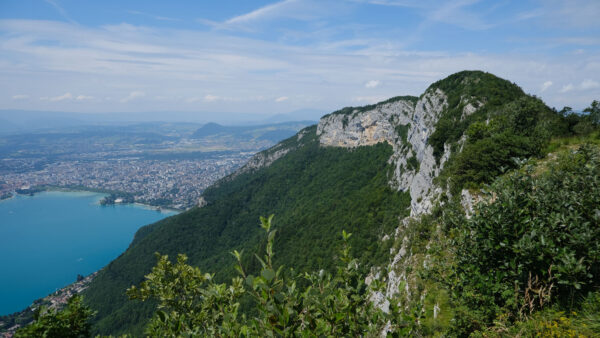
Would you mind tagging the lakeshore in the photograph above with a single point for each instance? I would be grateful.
(40, 189)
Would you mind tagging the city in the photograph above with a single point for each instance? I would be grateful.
(175, 184)
(162, 166)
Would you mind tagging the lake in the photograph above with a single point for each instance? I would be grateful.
(49, 238)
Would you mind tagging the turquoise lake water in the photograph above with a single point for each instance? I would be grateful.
(49, 238)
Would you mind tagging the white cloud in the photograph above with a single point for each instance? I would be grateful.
(545, 86)
(60, 10)
(368, 99)
(211, 98)
(83, 97)
(586, 84)
(281, 99)
(192, 99)
(567, 88)
(372, 84)
(65, 96)
(589, 84)
(261, 13)
(20, 97)
(133, 95)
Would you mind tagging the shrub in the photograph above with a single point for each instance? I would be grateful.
(285, 303)
(73, 321)
(533, 243)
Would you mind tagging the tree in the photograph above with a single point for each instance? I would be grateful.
(594, 112)
(71, 322)
(284, 303)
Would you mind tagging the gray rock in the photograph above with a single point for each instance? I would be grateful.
(379, 125)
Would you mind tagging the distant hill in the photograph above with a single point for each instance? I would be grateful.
(273, 132)
(24, 121)
(297, 115)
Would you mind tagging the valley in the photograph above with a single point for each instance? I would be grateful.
(159, 164)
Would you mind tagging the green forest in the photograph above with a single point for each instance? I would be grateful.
(319, 190)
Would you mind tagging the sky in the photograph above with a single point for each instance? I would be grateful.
(270, 57)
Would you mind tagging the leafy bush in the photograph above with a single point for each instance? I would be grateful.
(553, 322)
(520, 129)
(532, 244)
(286, 303)
(73, 321)
(461, 88)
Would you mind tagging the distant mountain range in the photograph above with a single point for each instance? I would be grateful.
(274, 132)
(22, 121)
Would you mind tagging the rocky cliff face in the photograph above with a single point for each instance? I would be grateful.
(406, 126)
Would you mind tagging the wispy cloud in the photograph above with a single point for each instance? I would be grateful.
(288, 10)
(574, 13)
(368, 99)
(454, 12)
(83, 97)
(153, 16)
(65, 96)
(457, 13)
(133, 95)
(211, 98)
(567, 88)
(20, 97)
(589, 84)
(585, 85)
(545, 86)
(275, 9)
(230, 72)
(60, 10)
(281, 99)
(372, 84)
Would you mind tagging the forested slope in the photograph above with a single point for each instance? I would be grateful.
(314, 191)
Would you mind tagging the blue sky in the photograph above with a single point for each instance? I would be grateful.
(279, 56)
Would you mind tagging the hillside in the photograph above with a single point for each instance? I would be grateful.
(270, 132)
(361, 169)
(321, 190)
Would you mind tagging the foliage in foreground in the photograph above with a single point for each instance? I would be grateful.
(287, 303)
(72, 321)
(534, 243)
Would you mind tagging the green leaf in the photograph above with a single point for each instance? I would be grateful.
(268, 274)
(161, 316)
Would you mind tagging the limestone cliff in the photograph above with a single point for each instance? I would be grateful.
(406, 125)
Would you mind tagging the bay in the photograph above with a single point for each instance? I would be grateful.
(48, 239)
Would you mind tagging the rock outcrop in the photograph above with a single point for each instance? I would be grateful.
(406, 125)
